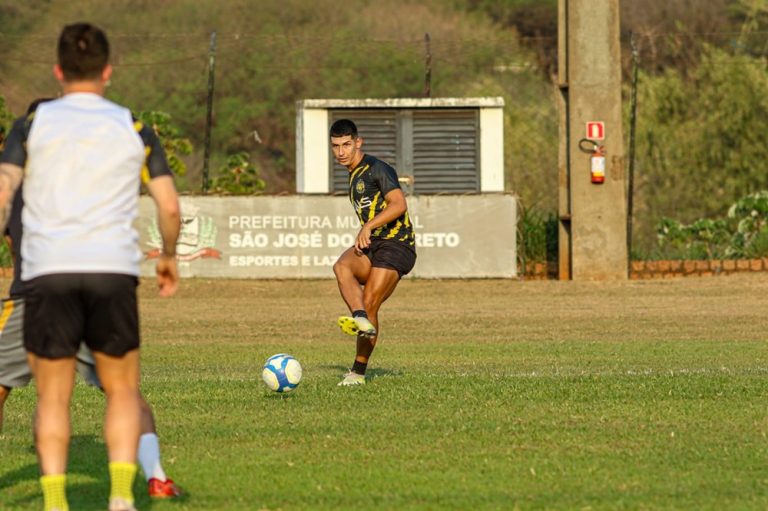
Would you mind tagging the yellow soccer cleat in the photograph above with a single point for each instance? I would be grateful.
(356, 326)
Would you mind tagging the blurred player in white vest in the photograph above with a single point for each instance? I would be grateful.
(82, 160)
(15, 371)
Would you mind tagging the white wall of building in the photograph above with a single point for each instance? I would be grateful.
(491, 149)
(312, 157)
(302, 236)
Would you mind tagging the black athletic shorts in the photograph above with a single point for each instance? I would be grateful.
(391, 254)
(63, 309)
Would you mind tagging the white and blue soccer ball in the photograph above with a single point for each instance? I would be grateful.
(281, 373)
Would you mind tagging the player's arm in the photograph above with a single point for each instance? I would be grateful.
(386, 179)
(164, 195)
(158, 178)
(396, 206)
(10, 179)
(12, 162)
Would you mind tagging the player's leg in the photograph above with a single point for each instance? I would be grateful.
(380, 286)
(14, 370)
(159, 485)
(119, 376)
(352, 270)
(4, 393)
(54, 379)
(112, 333)
(390, 260)
(53, 320)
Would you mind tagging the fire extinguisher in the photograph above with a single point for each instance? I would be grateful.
(597, 161)
(598, 165)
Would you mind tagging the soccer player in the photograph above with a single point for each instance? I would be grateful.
(15, 371)
(82, 159)
(384, 250)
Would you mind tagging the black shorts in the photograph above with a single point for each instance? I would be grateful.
(391, 254)
(63, 309)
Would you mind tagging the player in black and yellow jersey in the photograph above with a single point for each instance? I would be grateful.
(385, 246)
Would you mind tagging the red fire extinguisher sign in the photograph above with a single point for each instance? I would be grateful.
(596, 130)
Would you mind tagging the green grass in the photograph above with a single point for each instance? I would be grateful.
(483, 395)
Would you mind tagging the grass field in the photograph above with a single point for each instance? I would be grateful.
(482, 395)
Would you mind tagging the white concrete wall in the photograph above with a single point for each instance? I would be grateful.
(312, 151)
(491, 149)
(301, 236)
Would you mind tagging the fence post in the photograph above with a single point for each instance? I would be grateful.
(631, 156)
(209, 113)
(428, 68)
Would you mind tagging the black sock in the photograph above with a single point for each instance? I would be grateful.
(359, 367)
(358, 313)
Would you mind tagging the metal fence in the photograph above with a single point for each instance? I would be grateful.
(696, 149)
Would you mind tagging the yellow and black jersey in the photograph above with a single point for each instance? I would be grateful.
(369, 184)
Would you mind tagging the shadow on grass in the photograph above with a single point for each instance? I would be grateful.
(87, 460)
(279, 395)
(370, 374)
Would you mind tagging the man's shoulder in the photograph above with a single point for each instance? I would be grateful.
(378, 164)
(83, 108)
(145, 131)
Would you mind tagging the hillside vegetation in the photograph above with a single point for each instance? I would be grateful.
(701, 97)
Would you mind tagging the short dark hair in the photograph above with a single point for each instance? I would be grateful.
(343, 127)
(83, 51)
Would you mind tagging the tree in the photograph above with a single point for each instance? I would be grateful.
(173, 143)
(701, 143)
(238, 176)
(6, 120)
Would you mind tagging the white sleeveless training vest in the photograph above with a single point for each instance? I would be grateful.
(81, 188)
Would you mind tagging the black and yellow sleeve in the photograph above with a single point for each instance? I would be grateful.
(155, 162)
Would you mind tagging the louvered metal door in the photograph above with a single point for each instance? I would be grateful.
(438, 147)
(445, 155)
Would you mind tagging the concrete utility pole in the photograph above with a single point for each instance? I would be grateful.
(593, 216)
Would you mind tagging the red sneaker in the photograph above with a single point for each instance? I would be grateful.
(163, 489)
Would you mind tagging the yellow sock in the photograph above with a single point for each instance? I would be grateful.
(121, 475)
(55, 492)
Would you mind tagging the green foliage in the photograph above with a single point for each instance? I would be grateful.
(238, 176)
(750, 214)
(6, 120)
(174, 144)
(6, 258)
(701, 142)
(742, 234)
(269, 57)
(703, 239)
(537, 236)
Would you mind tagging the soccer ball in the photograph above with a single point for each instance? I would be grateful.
(281, 373)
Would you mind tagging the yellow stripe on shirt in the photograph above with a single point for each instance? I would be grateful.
(372, 210)
(145, 177)
(8, 306)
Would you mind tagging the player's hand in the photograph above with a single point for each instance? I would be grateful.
(167, 275)
(363, 239)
